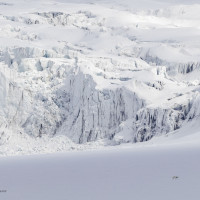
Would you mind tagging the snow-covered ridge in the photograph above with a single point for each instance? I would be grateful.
(98, 75)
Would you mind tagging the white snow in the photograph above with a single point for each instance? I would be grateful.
(129, 172)
(111, 88)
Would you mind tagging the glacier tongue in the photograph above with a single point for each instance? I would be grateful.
(74, 78)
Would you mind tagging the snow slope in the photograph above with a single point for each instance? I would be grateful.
(140, 172)
(82, 74)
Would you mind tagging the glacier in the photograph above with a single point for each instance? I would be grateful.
(83, 74)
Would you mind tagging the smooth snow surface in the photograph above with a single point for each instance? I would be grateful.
(82, 74)
(127, 173)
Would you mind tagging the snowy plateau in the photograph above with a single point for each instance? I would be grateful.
(119, 79)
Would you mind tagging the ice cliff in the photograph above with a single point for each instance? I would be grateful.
(100, 73)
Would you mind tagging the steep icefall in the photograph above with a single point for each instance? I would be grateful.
(81, 76)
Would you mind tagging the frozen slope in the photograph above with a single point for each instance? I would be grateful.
(80, 74)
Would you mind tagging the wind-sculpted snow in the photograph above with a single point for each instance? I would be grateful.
(75, 74)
